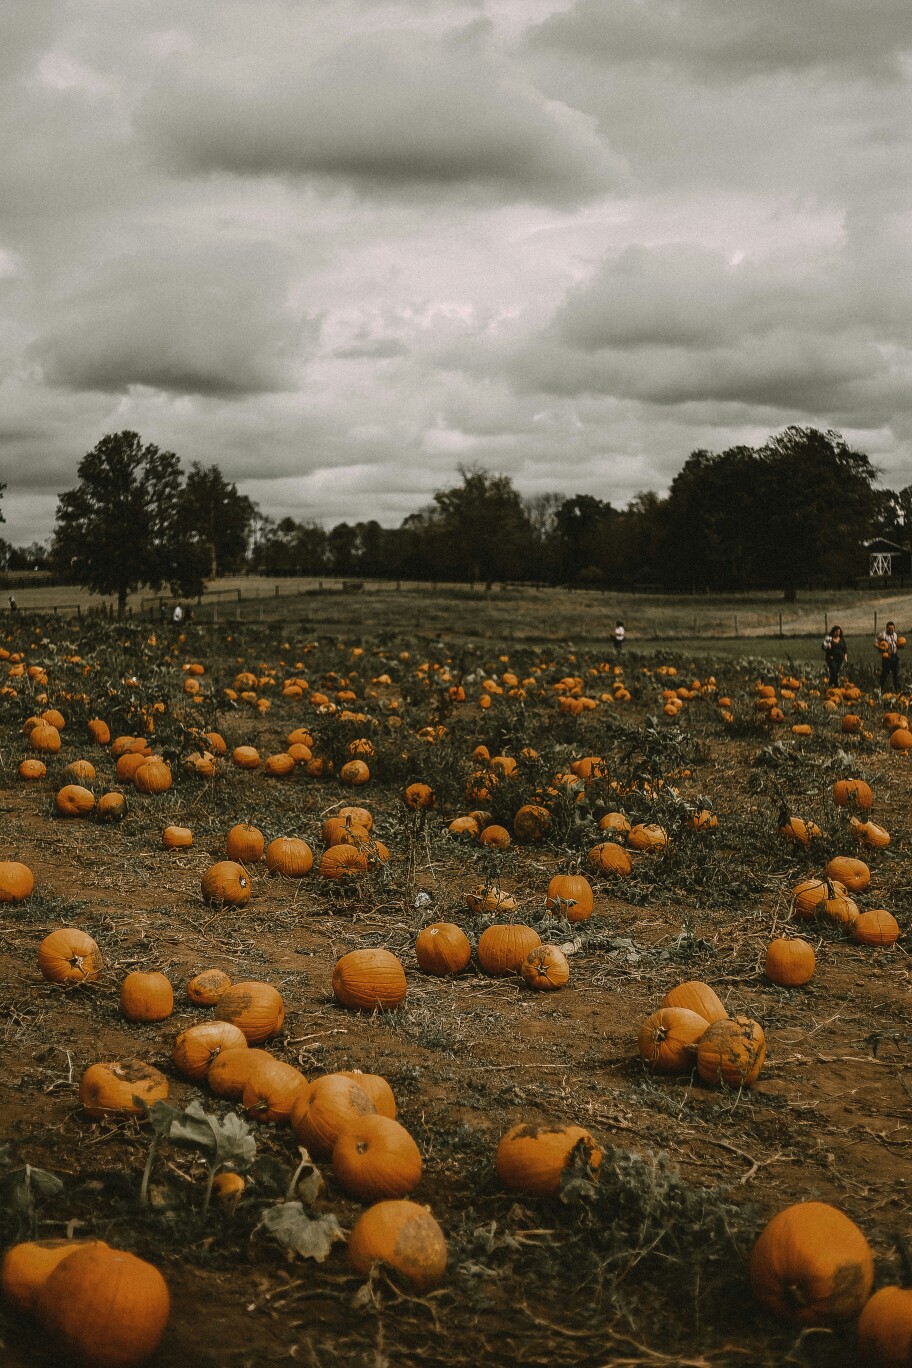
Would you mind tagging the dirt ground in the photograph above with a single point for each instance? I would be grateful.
(650, 1267)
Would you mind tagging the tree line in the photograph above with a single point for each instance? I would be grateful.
(795, 512)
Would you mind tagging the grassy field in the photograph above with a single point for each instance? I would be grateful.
(765, 625)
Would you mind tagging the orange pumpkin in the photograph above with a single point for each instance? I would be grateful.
(608, 858)
(177, 838)
(244, 843)
(696, 997)
(27, 1267)
(789, 962)
(32, 769)
(377, 1089)
(811, 1265)
(154, 776)
(229, 1071)
(111, 807)
(570, 896)
(530, 1158)
(226, 882)
(731, 1052)
(196, 1049)
(876, 927)
(885, 1328)
(419, 796)
(355, 773)
(105, 1307)
(246, 757)
(17, 882)
(74, 801)
(271, 1088)
(854, 874)
(322, 1110)
(367, 979)
(375, 1158)
(44, 738)
(545, 968)
(69, 956)
(853, 793)
(490, 898)
(668, 1039)
(207, 987)
(647, 836)
(99, 731)
(808, 898)
(531, 823)
(870, 834)
(121, 1086)
(442, 949)
(343, 862)
(146, 997)
(289, 856)
(405, 1237)
(502, 949)
(256, 1008)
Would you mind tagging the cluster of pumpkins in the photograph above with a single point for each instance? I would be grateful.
(693, 1028)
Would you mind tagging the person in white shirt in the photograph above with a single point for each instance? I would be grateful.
(618, 636)
(178, 614)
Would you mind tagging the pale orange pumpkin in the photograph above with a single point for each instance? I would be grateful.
(255, 1008)
(530, 1158)
(374, 1158)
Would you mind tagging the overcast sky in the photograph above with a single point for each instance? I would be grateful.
(342, 246)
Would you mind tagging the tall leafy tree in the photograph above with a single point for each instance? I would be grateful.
(117, 530)
(216, 518)
(484, 526)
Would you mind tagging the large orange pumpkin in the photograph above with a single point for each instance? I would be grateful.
(367, 979)
(121, 1086)
(375, 1158)
(17, 882)
(731, 1052)
(502, 949)
(69, 956)
(255, 1008)
(105, 1307)
(328, 1104)
(812, 1265)
(696, 997)
(442, 949)
(668, 1039)
(226, 882)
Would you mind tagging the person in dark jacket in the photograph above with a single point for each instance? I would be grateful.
(835, 653)
(888, 644)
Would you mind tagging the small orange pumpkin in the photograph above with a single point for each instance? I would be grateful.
(196, 1049)
(244, 843)
(177, 838)
(668, 1039)
(207, 987)
(17, 882)
(105, 1307)
(74, 801)
(328, 1104)
(545, 968)
(570, 896)
(404, 1236)
(854, 874)
(790, 962)
(290, 857)
(885, 1328)
(146, 996)
(696, 997)
(226, 882)
(876, 927)
(609, 858)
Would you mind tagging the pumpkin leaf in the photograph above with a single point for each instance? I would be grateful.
(234, 1141)
(22, 1187)
(310, 1237)
(191, 1126)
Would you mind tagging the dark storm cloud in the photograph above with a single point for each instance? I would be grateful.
(738, 38)
(388, 111)
(212, 322)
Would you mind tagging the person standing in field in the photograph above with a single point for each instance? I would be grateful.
(888, 644)
(835, 653)
(618, 636)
